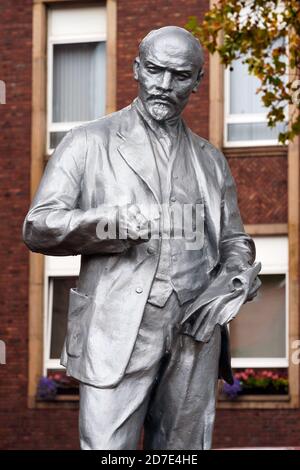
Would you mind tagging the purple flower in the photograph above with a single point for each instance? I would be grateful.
(46, 389)
(232, 391)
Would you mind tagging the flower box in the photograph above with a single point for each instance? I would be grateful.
(261, 382)
(55, 385)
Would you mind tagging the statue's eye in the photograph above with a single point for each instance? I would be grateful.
(153, 70)
(183, 77)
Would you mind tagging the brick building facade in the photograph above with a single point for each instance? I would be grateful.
(262, 180)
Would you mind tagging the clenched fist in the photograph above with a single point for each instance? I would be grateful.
(132, 225)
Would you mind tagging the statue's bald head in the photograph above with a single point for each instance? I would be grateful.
(177, 41)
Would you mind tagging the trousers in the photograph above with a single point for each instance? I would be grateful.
(169, 388)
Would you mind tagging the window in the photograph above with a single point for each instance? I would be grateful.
(64, 22)
(76, 69)
(61, 273)
(245, 120)
(259, 334)
(76, 93)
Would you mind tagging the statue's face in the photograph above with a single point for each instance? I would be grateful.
(167, 73)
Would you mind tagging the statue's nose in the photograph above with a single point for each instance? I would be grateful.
(166, 82)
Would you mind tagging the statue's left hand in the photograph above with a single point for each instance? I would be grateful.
(253, 289)
(236, 265)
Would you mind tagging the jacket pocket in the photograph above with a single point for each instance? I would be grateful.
(78, 306)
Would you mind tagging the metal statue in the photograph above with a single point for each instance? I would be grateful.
(151, 208)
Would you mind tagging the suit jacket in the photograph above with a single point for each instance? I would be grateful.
(97, 166)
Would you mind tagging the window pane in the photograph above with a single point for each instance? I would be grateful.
(243, 86)
(55, 138)
(259, 329)
(243, 96)
(253, 131)
(78, 81)
(61, 289)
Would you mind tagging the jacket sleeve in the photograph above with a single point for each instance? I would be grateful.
(55, 225)
(234, 243)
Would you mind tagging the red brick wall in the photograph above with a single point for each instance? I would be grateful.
(257, 428)
(21, 428)
(262, 188)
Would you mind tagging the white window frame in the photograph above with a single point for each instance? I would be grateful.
(245, 118)
(67, 36)
(55, 266)
(273, 254)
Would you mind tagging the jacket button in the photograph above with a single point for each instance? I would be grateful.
(150, 250)
(173, 198)
(139, 290)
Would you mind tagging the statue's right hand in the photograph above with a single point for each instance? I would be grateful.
(132, 225)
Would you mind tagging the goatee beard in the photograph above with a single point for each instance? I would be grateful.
(160, 112)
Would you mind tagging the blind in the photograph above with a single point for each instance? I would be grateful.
(78, 81)
(259, 330)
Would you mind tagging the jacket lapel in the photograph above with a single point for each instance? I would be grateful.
(136, 150)
(208, 186)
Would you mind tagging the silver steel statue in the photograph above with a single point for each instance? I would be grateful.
(165, 264)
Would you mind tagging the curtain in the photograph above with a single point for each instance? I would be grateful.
(259, 329)
(78, 81)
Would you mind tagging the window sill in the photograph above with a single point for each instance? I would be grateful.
(241, 402)
(256, 401)
(60, 401)
(256, 151)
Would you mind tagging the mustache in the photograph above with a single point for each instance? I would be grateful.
(161, 97)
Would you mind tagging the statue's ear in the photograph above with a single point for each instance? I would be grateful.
(136, 66)
(199, 78)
